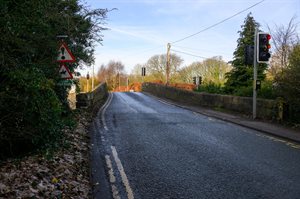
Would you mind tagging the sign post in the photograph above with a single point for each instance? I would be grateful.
(254, 75)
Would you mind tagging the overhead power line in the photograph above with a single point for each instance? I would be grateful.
(218, 22)
(189, 54)
(194, 50)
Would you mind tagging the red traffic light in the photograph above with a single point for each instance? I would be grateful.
(263, 47)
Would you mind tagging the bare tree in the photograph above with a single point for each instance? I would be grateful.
(284, 38)
(156, 66)
(211, 70)
(111, 73)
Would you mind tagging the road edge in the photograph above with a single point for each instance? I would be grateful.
(98, 174)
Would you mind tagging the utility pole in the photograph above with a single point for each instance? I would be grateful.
(93, 78)
(254, 74)
(168, 64)
(127, 84)
(119, 81)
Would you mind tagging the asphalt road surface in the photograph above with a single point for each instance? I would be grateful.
(152, 149)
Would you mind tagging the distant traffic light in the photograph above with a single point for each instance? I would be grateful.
(258, 85)
(263, 46)
(143, 71)
(194, 80)
(199, 80)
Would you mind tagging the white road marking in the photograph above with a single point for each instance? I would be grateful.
(165, 102)
(104, 109)
(211, 119)
(115, 192)
(104, 105)
(112, 178)
(290, 144)
(102, 138)
(122, 173)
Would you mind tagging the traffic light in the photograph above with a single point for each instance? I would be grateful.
(194, 80)
(258, 85)
(263, 46)
(200, 80)
(143, 71)
(248, 55)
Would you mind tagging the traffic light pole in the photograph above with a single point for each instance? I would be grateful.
(254, 75)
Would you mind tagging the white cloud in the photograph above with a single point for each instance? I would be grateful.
(137, 32)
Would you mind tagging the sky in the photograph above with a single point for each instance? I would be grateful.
(139, 29)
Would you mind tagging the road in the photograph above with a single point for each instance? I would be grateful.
(152, 149)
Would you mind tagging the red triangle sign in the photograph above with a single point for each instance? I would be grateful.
(64, 54)
(64, 72)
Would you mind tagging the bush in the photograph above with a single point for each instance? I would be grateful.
(211, 88)
(30, 112)
(267, 91)
(244, 92)
(288, 84)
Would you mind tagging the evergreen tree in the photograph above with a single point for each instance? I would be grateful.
(31, 97)
(240, 78)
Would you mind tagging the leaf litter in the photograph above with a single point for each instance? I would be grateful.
(65, 175)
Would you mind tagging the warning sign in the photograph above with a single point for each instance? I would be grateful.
(64, 72)
(64, 54)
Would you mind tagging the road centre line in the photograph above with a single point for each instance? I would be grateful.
(104, 109)
(122, 173)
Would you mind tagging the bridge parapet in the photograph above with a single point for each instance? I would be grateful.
(85, 100)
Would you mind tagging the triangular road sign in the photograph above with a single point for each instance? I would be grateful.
(64, 54)
(64, 72)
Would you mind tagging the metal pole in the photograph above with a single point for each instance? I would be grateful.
(93, 78)
(87, 85)
(143, 74)
(119, 81)
(127, 84)
(168, 64)
(254, 74)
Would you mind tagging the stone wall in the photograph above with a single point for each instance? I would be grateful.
(265, 108)
(92, 98)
